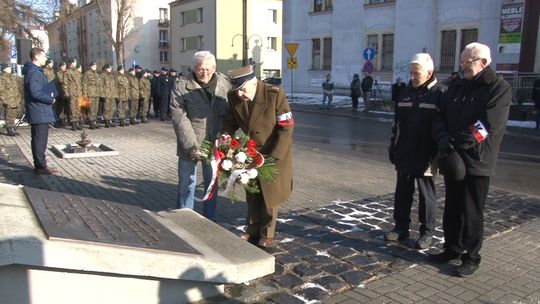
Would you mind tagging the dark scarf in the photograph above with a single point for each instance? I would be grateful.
(210, 87)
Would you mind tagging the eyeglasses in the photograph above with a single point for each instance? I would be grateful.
(468, 62)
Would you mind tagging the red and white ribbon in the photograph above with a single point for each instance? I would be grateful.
(479, 131)
(214, 164)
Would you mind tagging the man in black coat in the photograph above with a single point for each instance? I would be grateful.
(39, 96)
(164, 91)
(536, 99)
(397, 87)
(412, 150)
(367, 87)
(472, 120)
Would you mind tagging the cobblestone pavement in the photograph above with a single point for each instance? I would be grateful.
(329, 245)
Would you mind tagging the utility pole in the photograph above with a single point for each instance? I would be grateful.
(245, 40)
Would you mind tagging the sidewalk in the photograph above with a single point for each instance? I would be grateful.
(330, 244)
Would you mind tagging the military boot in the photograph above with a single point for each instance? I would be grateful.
(112, 124)
(122, 123)
(11, 131)
(133, 121)
(73, 126)
(63, 122)
(94, 124)
(78, 125)
(145, 120)
(107, 124)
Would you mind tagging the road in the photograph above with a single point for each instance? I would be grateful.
(359, 138)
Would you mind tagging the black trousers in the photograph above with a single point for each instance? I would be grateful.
(463, 220)
(164, 107)
(261, 220)
(427, 203)
(40, 136)
(354, 101)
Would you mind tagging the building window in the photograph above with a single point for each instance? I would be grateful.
(191, 16)
(321, 54)
(322, 5)
(272, 43)
(163, 56)
(448, 51)
(316, 54)
(468, 36)
(387, 56)
(327, 53)
(272, 14)
(163, 38)
(192, 43)
(379, 1)
(373, 42)
(163, 15)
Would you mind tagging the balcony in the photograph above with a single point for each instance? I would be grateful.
(163, 22)
(164, 43)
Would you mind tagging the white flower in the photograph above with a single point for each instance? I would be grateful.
(252, 173)
(226, 164)
(241, 157)
(244, 178)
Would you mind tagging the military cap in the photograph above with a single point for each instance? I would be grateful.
(240, 76)
(130, 70)
(119, 67)
(156, 71)
(71, 60)
(138, 67)
(48, 61)
(61, 63)
(106, 66)
(452, 166)
(92, 63)
(164, 69)
(4, 66)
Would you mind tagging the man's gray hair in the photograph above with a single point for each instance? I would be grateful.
(479, 50)
(424, 60)
(203, 56)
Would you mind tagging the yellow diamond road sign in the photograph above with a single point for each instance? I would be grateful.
(291, 48)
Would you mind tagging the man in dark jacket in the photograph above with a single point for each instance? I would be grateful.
(367, 87)
(472, 120)
(164, 91)
(536, 99)
(39, 96)
(412, 150)
(397, 87)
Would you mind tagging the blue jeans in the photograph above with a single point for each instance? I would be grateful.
(187, 179)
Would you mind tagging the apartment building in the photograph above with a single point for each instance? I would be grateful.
(237, 31)
(82, 34)
(337, 36)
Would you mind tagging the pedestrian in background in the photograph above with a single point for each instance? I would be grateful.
(155, 94)
(262, 112)
(61, 106)
(39, 96)
(469, 131)
(109, 93)
(367, 87)
(198, 106)
(164, 90)
(536, 99)
(10, 97)
(356, 92)
(73, 90)
(412, 151)
(144, 91)
(328, 92)
(397, 87)
(48, 70)
(133, 96)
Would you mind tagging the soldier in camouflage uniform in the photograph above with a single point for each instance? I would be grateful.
(48, 70)
(61, 106)
(91, 85)
(123, 94)
(9, 97)
(144, 90)
(73, 90)
(109, 92)
(134, 96)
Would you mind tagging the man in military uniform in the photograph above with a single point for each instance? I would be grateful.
(9, 97)
(144, 90)
(164, 91)
(155, 94)
(109, 92)
(61, 106)
(134, 96)
(262, 112)
(48, 70)
(73, 90)
(123, 87)
(91, 86)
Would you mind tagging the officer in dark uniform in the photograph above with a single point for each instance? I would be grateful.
(164, 90)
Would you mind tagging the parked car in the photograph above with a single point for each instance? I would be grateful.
(273, 80)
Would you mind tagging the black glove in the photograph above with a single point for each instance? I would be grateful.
(392, 153)
(445, 146)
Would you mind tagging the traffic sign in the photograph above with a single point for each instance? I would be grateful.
(368, 67)
(291, 48)
(292, 63)
(369, 54)
(13, 52)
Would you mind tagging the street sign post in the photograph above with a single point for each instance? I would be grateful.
(292, 63)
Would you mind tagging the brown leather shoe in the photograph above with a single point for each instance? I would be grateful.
(46, 171)
(265, 242)
(250, 238)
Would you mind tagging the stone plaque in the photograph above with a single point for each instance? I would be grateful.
(71, 217)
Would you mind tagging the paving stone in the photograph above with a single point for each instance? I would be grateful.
(332, 283)
(319, 260)
(313, 294)
(355, 277)
(242, 293)
(283, 297)
(359, 260)
(303, 251)
(337, 268)
(306, 270)
(265, 286)
(288, 280)
(341, 251)
(286, 259)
